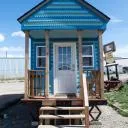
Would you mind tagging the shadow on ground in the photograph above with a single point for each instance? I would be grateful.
(17, 114)
(9, 100)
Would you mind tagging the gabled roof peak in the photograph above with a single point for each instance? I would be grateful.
(83, 2)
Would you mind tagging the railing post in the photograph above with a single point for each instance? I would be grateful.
(85, 100)
(80, 61)
(47, 64)
(97, 83)
(101, 64)
(26, 62)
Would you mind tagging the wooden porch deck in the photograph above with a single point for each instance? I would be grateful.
(43, 99)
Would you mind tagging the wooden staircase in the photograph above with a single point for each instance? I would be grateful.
(59, 115)
(66, 112)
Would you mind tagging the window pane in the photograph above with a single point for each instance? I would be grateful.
(87, 50)
(87, 61)
(64, 58)
(60, 58)
(64, 50)
(68, 50)
(41, 51)
(60, 50)
(41, 62)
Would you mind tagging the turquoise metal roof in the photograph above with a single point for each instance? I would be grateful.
(63, 14)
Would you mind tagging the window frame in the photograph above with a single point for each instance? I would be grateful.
(92, 56)
(37, 57)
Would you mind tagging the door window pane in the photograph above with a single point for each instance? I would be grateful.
(64, 58)
(60, 50)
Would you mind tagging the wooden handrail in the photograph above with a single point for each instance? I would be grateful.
(86, 100)
(85, 91)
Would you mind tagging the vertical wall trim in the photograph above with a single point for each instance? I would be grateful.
(101, 63)
(80, 62)
(47, 64)
(26, 62)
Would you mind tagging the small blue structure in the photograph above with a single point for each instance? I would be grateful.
(61, 21)
(66, 41)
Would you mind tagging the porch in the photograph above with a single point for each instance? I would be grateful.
(79, 84)
(38, 80)
(37, 87)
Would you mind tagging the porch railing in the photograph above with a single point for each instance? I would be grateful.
(36, 83)
(93, 83)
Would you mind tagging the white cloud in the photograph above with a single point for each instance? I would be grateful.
(116, 20)
(2, 37)
(18, 34)
(122, 51)
(14, 55)
(12, 49)
(12, 52)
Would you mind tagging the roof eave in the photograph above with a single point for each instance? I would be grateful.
(31, 11)
(95, 10)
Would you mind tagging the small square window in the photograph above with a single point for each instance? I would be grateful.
(41, 51)
(88, 57)
(87, 61)
(87, 50)
(40, 62)
(40, 57)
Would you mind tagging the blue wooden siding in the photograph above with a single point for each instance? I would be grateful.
(35, 43)
(67, 14)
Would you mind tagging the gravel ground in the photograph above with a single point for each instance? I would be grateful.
(111, 119)
(21, 115)
(11, 87)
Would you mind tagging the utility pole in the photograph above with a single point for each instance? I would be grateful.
(6, 54)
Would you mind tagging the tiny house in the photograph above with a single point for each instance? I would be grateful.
(66, 67)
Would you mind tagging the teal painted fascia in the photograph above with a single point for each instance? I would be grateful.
(64, 39)
(103, 28)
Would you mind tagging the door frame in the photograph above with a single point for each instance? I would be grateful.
(54, 64)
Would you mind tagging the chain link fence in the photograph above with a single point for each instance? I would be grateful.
(11, 68)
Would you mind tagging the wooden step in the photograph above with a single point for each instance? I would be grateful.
(62, 108)
(61, 126)
(62, 116)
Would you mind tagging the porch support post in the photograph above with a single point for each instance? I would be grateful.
(80, 62)
(47, 64)
(101, 63)
(26, 62)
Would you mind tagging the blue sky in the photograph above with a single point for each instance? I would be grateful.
(12, 40)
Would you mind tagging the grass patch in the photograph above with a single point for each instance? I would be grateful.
(119, 99)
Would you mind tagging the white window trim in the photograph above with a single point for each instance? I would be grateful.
(37, 57)
(91, 66)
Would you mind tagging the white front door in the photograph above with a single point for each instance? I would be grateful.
(64, 68)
